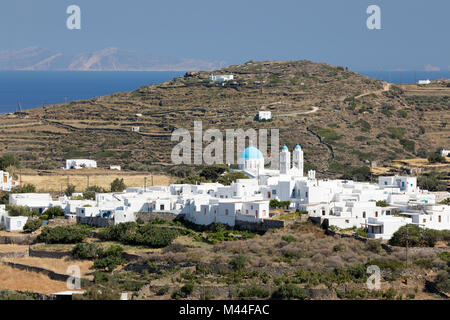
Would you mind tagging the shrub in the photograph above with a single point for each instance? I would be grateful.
(27, 188)
(70, 234)
(54, 212)
(69, 190)
(90, 192)
(118, 185)
(436, 158)
(238, 262)
(254, 292)
(231, 177)
(289, 238)
(32, 225)
(15, 210)
(86, 251)
(442, 280)
(134, 234)
(374, 246)
(289, 292)
(382, 203)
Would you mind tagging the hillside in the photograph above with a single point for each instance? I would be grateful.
(340, 118)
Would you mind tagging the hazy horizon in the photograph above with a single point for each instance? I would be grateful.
(411, 35)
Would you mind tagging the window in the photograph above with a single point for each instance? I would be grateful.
(306, 195)
(376, 214)
(226, 211)
(251, 207)
(364, 214)
(268, 194)
(246, 211)
(161, 207)
(204, 210)
(19, 223)
(439, 218)
(256, 212)
(323, 212)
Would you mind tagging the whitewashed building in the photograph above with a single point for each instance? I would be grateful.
(445, 153)
(221, 78)
(424, 82)
(14, 224)
(80, 164)
(264, 115)
(6, 181)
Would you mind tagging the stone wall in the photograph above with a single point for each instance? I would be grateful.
(148, 217)
(262, 226)
(95, 221)
(15, 239)
(48, 254)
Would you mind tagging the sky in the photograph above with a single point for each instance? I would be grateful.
(413, 36)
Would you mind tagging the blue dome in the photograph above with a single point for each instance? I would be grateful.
(297, 147)
(251, 153)
(284, 148)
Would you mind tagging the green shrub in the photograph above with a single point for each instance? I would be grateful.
(254, 292)
(131, 233)
(70, 234)
(54, 212)
(15, 210)
(289, 292)
(238, 262)
(32, 225)
(86, 251)
(289, 238)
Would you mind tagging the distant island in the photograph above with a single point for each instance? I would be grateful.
(108, 59)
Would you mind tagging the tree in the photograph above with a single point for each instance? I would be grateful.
(8, 160)
(69, 190)
(238, 262)
(118, 185)
(16, 211)
(54, 212)
(32, 225)
(90, 192)
(436, 158)
(212, 173)
(26, 188)
(231, 177)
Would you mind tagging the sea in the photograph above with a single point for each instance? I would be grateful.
(39, 88)
(33, 89)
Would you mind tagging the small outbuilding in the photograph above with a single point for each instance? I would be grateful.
(15, 223)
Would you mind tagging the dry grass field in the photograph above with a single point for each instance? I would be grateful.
(4, 248)
(56, 265)
(14, 279)
(57, 180)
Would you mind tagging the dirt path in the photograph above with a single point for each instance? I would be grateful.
(386, 87)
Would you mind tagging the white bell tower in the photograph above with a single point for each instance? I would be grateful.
(297, 161)
(285, 160)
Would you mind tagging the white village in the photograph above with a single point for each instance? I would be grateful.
(340, 204)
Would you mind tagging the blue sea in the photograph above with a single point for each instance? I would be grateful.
(406, 77)
(36, 88)
(39, 88)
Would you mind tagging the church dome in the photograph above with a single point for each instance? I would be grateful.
(297, 147)
(251, 153)
(284, 148)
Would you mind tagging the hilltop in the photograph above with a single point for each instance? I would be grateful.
(341, 119)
